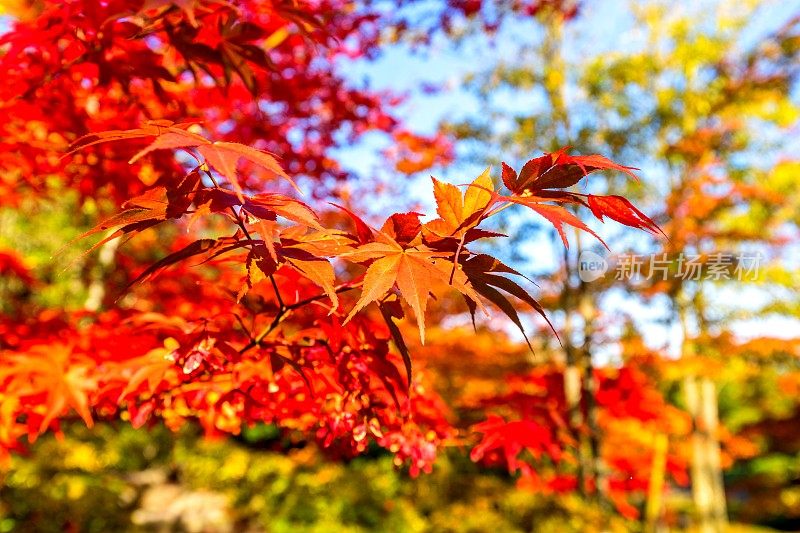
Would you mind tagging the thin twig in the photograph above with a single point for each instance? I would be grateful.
(281, 305)
(284, 311)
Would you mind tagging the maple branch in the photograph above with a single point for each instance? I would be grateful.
(241, 323)
(236, 217)
(239, 222)
(282, 309)
(281, 305)
(279, 317)
(306, 301)
(285, 310)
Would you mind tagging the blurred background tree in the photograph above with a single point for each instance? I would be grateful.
(709, 108)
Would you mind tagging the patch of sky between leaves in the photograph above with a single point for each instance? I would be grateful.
(5, 24)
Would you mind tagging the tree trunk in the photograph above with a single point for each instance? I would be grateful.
(708, 491)
(655, 489)
(707, 486)
(588, 312)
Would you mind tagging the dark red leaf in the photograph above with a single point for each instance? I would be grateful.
(620, 209)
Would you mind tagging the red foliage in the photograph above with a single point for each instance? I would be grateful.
(536, 431)
(11, 264)
(267, 331)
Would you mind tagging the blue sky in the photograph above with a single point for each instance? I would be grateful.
(605, 26)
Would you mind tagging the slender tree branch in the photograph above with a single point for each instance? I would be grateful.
(241, 323)
(281, 305)
(285, 310)
(340, 289)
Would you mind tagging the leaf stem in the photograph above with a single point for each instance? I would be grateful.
(455, 259)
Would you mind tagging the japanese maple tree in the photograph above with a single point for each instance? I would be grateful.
(238, 299)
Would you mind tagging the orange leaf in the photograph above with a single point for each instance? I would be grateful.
(316, 269)
(458, 214)
(413, 270)
(224, 157)
(171, 140)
